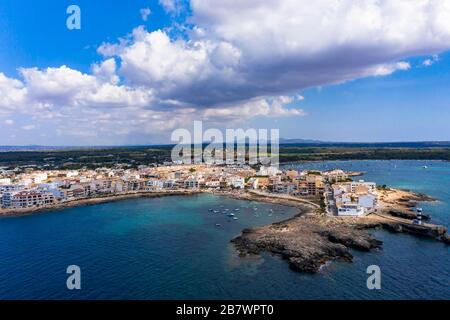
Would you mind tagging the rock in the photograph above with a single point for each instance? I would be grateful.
(406, 214)
(307, 243)
(446, 239)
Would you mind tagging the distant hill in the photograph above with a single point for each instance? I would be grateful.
(300, 141)
(283, 142)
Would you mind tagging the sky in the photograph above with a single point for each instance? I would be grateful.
(367, 71)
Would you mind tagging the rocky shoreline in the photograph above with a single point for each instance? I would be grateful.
(306, 243)
(310, 239)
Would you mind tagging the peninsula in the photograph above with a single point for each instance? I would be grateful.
(335, 212)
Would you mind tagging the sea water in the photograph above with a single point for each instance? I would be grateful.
(175, 248)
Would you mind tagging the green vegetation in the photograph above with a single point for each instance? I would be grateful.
(288, 154)
(135, 156)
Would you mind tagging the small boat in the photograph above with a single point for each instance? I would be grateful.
(425, 167)
(210, 209)
(237, 209)
(216, 211)
(235, 218)
(218, 225)
(230, 214)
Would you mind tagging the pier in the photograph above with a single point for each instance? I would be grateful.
(397, 224)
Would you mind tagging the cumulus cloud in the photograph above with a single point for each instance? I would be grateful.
(66, 87)
(239, 51)
(234, 61)
(145, 13)
(12, 93)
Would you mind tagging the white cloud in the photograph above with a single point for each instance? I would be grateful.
(430, 61)
(235, 61)
(238, 51)
(28, 127)
(172, 6)
(66, 87)
(387, 69)
(145, 13)
(12, 93)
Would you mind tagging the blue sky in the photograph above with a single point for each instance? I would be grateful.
(245, 85)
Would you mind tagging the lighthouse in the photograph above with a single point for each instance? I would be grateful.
(419, 215)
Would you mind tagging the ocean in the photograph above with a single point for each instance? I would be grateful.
(172, 248)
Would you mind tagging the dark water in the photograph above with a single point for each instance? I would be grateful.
(170, 248)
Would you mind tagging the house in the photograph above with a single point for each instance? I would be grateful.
(154, 185)
(335, 176)
(363, 187)
(192, 183)
(351, 209)
(236, 182)
(25, 199)
(253, 183)
(367, 201)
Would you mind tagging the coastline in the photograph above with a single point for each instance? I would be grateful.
(92, 201)
(309, 239)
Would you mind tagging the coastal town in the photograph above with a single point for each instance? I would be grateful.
(333, 190)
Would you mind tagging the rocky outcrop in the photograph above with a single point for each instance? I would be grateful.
(407, 214)
(307, 242)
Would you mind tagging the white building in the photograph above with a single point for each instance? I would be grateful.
(236, 182)
(268, 171)
(5, 181)
(25, 199)
(367, 201)
(351, 209)
(192, 183)
(155, 185)
(371, 186)
(334, 176)
(253, 183)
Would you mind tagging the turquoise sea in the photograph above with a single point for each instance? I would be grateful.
(171, 248)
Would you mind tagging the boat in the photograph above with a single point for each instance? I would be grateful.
(210, 209)
(237, 209)
(218, 225)
(235, 218)
(216, 211)
(230, 214)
